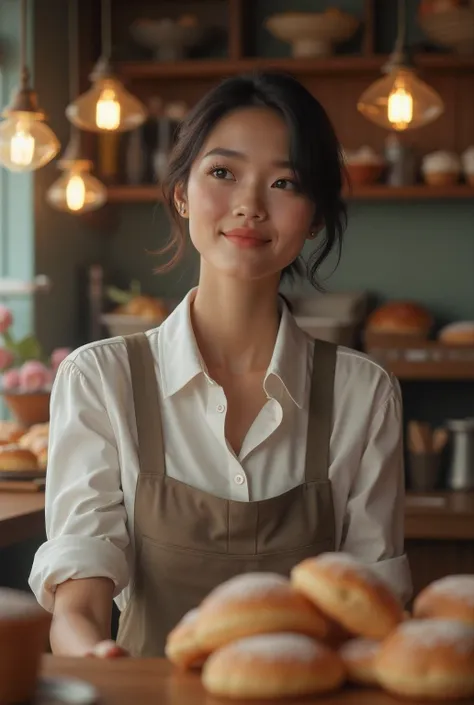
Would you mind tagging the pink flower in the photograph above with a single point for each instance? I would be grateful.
(10, 380)
(34, 376)
(58, 355)
(6, 358)
(6, 318)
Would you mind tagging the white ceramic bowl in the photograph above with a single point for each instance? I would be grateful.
(453, 28)
(169, 40)
(123, 324)
(312, 34)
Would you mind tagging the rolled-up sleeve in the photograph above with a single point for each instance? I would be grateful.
(375, 514)
(85, 515)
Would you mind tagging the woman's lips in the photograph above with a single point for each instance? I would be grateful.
(246, 237)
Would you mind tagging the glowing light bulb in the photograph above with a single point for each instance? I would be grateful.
(75, 193)
(400, 107)
(107, 115)
(22, 146)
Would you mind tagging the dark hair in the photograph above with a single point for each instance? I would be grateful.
(315, 154)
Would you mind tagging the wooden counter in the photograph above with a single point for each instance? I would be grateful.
(152, 681)
(448, 516)
(21, 516)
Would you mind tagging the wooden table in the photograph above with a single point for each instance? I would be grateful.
(154, 681)
(21, 516)
(440, 515)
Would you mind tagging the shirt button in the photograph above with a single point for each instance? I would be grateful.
(220, 408)
(239, 479)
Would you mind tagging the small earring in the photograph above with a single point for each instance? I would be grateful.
(182, 209)
(313, 235)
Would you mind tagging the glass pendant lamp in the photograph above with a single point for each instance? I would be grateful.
(400, 100)
(77, 190)
(26, 141)
(107, 106)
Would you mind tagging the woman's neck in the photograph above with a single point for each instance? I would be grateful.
(235, 322)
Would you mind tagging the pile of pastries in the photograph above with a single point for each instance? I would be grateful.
(23, 448)
(265, 636)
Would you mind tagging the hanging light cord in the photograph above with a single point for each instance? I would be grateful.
(73, 51)
(106, 29)
(401, 27)
(24, 72)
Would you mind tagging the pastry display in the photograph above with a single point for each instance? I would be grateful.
(427, 656)
(350, 593)
(467, 160)
(451, 597)
(358, 657)
(13, 457)
(256, 603)
(273, 666)
(457, 333)
(428, 659)
(182, 647)
(405, 318)
(441, 168)
(10, 432)
(364, 166)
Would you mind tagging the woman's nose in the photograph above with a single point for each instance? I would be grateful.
(250, 205)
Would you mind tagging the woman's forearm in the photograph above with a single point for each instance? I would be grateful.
(75, 633)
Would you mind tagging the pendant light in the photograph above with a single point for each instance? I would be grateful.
(26, 142)
(107, 106)
(400, 101)
(76, 191)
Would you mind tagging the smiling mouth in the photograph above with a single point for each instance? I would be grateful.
(245, 237)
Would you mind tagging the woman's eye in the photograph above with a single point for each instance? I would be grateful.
(221, 173)
(285, 185)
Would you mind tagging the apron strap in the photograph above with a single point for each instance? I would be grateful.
(147, 405)
(320, 411)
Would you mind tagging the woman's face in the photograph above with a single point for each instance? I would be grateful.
(247, 218)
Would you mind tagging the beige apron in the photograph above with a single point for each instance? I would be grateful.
(188, 541)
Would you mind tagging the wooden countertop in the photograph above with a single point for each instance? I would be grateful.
(21, 516)
(151, 681)
(427, 516)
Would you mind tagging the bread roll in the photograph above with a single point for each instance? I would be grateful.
(459, 333)
(400, 318)
(428, 659)
(358, 657)
(182, 647)
(24, 627)
(12, 458)
(451, 597)
(10, 432)
(350, 593)
(272, 666)
(256, 603)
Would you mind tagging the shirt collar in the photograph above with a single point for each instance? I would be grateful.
(180, 359)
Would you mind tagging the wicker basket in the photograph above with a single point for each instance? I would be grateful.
(28, 408)
(453, 28)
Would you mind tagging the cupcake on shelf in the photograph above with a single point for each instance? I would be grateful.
(441, 168)
(467, 159)
(364, 166)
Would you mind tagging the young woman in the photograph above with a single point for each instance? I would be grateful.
(226, 440)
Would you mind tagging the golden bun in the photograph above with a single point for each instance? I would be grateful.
(181, 646)
(350, 593)
(10, 432)
(12, 458)
(428, 659)
(256, 603)
(358, 656)
(451, 597)
(273, 666)
(458, 333)
(400, 318)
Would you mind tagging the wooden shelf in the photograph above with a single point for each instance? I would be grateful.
(432, 371)
(377, 192)
(341, 64)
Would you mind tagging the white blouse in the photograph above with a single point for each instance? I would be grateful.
(93, 461)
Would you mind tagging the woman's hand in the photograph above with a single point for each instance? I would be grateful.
(107, 649)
